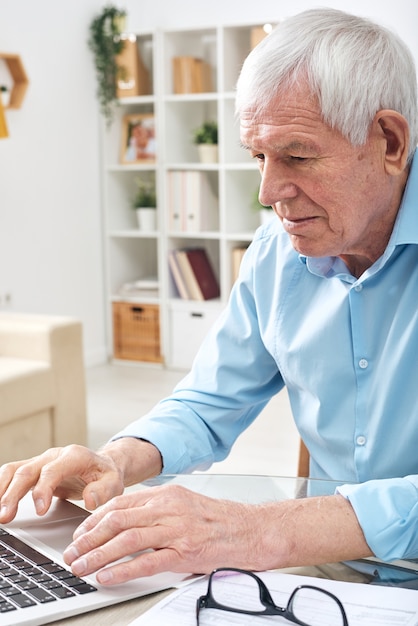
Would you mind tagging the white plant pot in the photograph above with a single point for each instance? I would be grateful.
(5, 98)
(208, 152)
(147, 218)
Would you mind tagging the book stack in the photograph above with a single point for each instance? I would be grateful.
(192, 205)
(191, 75)
(140, 289)
(193, 274)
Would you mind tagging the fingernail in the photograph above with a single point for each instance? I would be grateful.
(39, 505)
(104, 577)
(70, 554)
(4, 511)
(79, 567)
(95, 498)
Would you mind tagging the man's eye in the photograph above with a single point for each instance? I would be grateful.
(259, 157)
(298, 159)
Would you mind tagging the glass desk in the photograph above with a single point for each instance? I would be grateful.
(242, 488)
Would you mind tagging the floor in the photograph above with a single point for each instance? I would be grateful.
(119, 393)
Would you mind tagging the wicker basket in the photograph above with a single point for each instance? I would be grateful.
(136, 332)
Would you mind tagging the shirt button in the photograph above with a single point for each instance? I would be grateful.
(358, 288)
(363, 363)
(361, 440)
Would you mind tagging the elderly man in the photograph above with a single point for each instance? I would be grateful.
(326, 304)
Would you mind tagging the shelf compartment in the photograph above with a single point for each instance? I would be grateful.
(131, 259)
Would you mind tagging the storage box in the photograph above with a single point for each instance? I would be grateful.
(257, 34)
(136, 332)
(191, 75)
(135, 79)
(191, 321)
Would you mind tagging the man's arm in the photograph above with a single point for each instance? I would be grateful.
(188, 532)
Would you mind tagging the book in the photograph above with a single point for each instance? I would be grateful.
(237, 254)
(202, 270)
(191, 282)
(177, 275)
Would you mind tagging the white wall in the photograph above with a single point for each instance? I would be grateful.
(50, 231)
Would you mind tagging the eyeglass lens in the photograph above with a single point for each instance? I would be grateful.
(315, 608)
(230, 595)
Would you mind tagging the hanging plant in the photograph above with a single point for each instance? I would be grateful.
(106, 43)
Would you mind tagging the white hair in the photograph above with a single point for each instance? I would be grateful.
(352, 65)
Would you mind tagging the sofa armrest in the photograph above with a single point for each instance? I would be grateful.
(57, 341)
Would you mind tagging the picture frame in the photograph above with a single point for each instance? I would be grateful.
(138, 143)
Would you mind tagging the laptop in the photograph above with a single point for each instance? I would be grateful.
(36, 587)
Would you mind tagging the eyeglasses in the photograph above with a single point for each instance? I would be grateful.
(307, 605)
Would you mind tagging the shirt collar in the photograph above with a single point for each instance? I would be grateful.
(405, 229)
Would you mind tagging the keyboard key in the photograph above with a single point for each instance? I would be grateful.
(8, 572)
(23, 601)
(62, 592)
(73, 581)
(4, 584)
(41, 595)
(62, 574)
(10, 591)
(50, 584)
(25, 585)
(17, 578)
(52, 568)
(33, 571)
(6, 607)
(43, 578)
(84, 588)
(27, 551)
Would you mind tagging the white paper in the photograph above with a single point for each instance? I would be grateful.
(365, 605)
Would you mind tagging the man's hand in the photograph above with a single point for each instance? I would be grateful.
(75, 472)
(177, 530)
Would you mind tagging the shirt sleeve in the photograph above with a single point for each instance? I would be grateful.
(232, 379)
(387, 511)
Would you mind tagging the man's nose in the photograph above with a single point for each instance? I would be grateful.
(276, 185)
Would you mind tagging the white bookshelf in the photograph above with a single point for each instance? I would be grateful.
(132, 255)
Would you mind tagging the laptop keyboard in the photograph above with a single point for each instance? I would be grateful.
(28, 577)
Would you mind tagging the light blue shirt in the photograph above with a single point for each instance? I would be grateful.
(347, 351)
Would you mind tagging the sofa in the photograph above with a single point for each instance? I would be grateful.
(42, 384)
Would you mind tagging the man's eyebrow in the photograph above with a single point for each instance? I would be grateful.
(293, 146)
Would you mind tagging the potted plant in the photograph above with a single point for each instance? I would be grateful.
(266, 212)
(106, 43)
(206, 139)
(145, 204)
(5, 95)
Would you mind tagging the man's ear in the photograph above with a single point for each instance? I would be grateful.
(395, 130)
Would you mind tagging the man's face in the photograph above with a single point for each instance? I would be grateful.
(334, 199)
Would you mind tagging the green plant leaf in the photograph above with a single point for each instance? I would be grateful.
(105, 43)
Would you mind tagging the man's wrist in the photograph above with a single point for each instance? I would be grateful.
(137, 459)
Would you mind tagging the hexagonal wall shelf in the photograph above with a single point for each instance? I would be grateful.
(20, 79)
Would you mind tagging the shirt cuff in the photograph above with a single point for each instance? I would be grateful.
(387, 511)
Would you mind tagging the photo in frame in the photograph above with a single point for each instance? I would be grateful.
(138, 139)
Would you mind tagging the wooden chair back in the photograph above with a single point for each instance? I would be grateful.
(303, 461)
